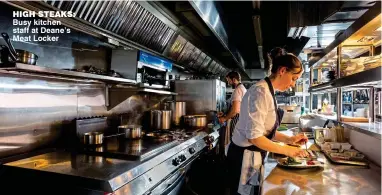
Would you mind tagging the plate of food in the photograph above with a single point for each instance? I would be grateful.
(299, 163)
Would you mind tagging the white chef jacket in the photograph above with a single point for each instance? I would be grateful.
(257, 114)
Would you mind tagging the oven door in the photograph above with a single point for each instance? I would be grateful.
(173, 184)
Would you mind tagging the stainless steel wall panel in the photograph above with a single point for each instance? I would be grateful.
(36, 112)
(32, 112)
(201, 99)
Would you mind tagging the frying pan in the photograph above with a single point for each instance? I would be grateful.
(19, 55)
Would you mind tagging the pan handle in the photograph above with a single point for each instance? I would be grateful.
(114, 135)
(10, 46)
(8, 52)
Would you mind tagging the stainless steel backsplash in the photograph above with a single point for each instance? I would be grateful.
(35, 112)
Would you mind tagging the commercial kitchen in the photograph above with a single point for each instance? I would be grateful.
(126, 99)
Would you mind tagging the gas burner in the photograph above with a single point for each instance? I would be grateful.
(159, 135)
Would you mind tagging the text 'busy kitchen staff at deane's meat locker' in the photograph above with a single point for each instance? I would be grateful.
(258, 121)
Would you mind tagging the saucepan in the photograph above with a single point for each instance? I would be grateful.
(95, 138)
(195, 120)
(131, 131)
(19, 55)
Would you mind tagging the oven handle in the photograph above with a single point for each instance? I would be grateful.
(174, 184)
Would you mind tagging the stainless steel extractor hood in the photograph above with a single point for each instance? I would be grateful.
(125, 18)
(128, 22)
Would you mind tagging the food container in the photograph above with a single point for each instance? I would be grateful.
(195, 120)
(161, 119)
(131, 131)
(92, 138)
(178, 110)
(345, 146)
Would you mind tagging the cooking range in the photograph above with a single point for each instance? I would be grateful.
(138, 149)
(155, 164)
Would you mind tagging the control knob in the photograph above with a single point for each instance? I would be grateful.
(176, 161)
(210, 140)
(182, 158)
(191, 150)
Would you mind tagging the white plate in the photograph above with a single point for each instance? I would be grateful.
(303, 165)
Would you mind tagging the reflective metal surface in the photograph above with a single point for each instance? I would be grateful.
(47, 107)
(178, 110)
(331, 179)
(161, 119)
(43, 106)
(46, 70)
(111, 174)
(199, 99)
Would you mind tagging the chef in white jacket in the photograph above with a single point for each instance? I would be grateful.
(258, 120)
(233, 79)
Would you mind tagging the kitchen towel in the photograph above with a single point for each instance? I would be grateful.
(250, 172)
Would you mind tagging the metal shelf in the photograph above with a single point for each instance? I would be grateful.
(321, 87)
(371, 77)
(371, 14)
(62, 74)
(156, 91)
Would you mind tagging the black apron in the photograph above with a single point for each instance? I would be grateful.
(234, 119)
(235, 152)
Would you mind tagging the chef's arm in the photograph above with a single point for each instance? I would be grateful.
(268, 145)
(282, 138)
(235, 109)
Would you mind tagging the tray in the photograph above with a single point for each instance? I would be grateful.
(348, 162)
(280, 162)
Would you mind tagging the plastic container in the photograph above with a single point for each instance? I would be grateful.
(346, 146)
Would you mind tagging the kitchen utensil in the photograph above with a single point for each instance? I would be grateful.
(19, 55)
(5, 54)
(195, 120)
(306, 147)
(131, 131)
(92, 138)
(178, 110)
(161, 119)
(95, 137)
(13, 53)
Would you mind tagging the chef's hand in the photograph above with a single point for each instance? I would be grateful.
(295, 152)
(222, 120)
(220, 114)
(299, 139)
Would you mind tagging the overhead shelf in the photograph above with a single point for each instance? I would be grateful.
(371, 77)
(118, 94)
(64, 74)
(147, 90)
(368, 19)
(321, 87)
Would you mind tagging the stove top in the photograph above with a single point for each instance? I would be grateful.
(149, 146)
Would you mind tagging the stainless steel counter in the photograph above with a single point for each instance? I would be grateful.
(332, 179)
(106, 174)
